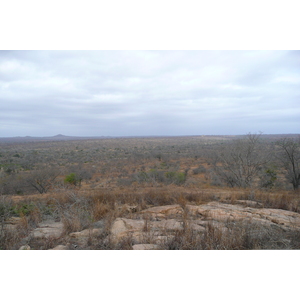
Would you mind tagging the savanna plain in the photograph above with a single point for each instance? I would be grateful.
(150, 193)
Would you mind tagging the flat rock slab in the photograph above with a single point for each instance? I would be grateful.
(266, 216)
(48, 230)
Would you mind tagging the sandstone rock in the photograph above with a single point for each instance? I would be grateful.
(48, 229)
(158, 225)
(145, 247)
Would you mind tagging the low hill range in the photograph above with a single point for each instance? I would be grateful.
(61, 137)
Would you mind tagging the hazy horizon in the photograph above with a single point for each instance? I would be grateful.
(148, 93)
(142, 136)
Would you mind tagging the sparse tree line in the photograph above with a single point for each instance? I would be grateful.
(252, 162)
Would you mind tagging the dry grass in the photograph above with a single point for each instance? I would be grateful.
(79, 209)
(240, 236)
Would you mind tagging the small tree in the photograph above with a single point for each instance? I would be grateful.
(290, 159)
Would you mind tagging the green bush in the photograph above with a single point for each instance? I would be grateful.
(180, 178)
(72, 179)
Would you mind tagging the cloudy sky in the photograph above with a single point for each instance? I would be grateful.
(130, 93)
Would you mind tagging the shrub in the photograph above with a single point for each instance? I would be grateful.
(176, 177)
(199, 170)
(24, 209)
(73, 179)
(268, 178)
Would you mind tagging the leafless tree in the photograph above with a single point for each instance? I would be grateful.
(290, 159)
(239, 162)
(43, 179)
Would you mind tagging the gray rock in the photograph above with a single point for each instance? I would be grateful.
(99, 224)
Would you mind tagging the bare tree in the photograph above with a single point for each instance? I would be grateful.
(43, 179)
(240, 161)
(290, 159)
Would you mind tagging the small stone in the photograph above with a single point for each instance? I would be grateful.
(25, 247)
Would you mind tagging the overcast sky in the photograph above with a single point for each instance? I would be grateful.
(130, 93)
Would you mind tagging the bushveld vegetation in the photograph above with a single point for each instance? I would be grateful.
(85, 182)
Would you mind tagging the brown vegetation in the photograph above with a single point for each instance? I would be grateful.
(72, 192)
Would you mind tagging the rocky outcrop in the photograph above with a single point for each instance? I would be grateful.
(223, 212)
(157, 225)
(49, 229)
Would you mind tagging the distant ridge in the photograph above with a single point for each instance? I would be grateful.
(61, 137)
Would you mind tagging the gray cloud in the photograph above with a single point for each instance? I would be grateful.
(148, 92)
